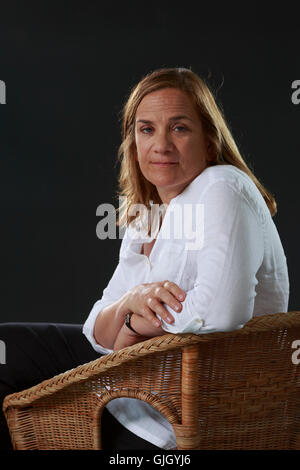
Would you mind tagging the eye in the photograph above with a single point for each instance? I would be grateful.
(182, 129)
(144, 129)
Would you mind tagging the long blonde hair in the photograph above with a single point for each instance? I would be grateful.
(133, 186)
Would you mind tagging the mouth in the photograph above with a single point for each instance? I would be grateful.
(164, 164)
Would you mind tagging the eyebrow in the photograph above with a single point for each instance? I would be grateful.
(173, 118)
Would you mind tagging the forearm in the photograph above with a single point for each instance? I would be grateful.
(109, 322)
(144, 329)
(126, 337)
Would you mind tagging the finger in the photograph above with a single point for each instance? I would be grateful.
(149, 315)
(168, 298)
(158, 308)
(179, 293)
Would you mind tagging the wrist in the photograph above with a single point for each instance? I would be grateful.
(123, 308)
(128, 323)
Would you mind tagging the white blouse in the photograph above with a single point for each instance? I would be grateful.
(234, 268)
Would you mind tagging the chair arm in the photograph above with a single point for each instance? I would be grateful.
(153, 345)
(64, 412)
(98, 366)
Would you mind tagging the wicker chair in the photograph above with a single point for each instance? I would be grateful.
(233, 390)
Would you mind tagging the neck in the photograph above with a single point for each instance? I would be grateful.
(166, 195)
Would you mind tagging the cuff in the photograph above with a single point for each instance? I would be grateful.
(88, 327)
(181, 325)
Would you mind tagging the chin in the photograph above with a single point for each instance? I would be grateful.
(164, 182)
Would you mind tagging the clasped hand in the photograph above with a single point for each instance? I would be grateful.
(147, 300)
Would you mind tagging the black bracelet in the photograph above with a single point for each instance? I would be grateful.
(127, 322)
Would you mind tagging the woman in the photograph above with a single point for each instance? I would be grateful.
(178, 156)
(178, 151)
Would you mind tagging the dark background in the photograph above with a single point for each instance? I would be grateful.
(68, 69)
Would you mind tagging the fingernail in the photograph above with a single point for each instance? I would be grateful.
(181, 296)
(169, 319)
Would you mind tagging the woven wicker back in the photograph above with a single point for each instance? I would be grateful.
(235, 390)
(249, 395)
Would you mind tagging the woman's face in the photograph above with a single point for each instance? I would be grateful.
(171, 147)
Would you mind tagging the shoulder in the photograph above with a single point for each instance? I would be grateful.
(228, 180)
(227, 174)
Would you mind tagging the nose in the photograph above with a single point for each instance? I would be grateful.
(163, 142)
